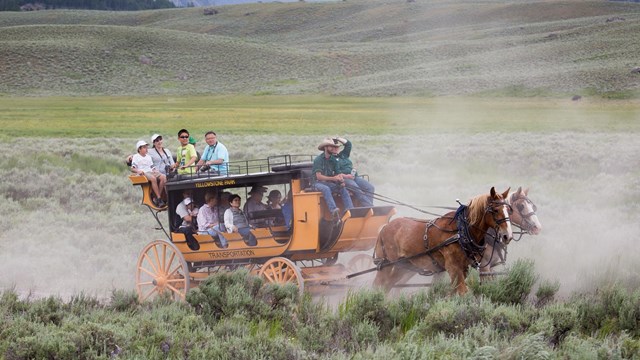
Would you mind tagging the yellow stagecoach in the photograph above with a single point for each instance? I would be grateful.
(304, 252)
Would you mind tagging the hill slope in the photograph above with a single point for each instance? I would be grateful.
(355, 47)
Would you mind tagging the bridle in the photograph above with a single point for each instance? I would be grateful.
(518, 203)
(491, 210)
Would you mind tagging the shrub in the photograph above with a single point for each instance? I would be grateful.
(546, 292)
(122, 300)
(555, 322)
(406, 311)
(240, 293)
(47, 311)
(366, 305)
(513, 288)
(609, 311)
(527, 346)
(452, 316)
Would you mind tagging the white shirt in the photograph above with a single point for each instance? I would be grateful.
(207, 217)
(144, 163)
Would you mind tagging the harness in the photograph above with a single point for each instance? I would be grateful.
(463, 237)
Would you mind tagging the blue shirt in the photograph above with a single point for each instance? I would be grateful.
(215, 152)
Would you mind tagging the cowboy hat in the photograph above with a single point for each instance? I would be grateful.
(258, 190)
(327, 142)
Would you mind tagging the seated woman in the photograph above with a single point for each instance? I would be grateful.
(208, 218)
(236, 222)
(142, 164)
(274, 200)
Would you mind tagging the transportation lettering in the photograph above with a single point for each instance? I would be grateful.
(231, 254)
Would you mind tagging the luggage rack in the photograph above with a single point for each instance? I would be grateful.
(270, 164)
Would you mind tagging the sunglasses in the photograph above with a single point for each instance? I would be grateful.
(184, 137)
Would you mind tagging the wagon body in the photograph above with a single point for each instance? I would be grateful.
(313, 234)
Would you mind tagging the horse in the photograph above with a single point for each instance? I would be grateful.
(523, 217)
(452, 242)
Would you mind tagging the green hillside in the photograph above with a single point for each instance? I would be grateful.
(356, 47)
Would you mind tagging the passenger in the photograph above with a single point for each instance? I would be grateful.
(359, 186)
(273, 199)
(162, 158)
(224, 202)
(186, 156)
(328, 180)
(254, 203)
(236, 222)
(142, 164)
(208, 219)
(215, 156)
(188, 212)
(192, 141)
(287, 210)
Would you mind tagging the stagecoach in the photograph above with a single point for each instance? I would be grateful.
(304, 253)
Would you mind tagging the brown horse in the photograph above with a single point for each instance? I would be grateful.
(451, 242)
(523, 217)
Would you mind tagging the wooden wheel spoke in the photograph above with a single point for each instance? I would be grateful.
(150, 261)
(164, 258)
(155, 250)
(174, 270)
(145, 283)
(175, 280)
(176, 291)
(155, 288)
(170, 262)
(147, 271)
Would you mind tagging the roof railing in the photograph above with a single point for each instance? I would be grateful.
(248, 167)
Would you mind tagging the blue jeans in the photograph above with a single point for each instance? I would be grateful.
(362, 190)
(327, 187)
(246, 234)
(215, 232)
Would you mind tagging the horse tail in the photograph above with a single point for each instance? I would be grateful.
(379, 248)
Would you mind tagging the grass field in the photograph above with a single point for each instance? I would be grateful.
(307, 115)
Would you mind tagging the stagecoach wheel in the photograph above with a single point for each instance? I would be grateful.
(161, 269)
(281, 270)
(359, 263)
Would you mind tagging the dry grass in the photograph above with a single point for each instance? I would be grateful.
(362, 48)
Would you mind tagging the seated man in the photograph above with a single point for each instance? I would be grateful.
(236, 222)
(188, 213)
(254, 203)
(359, 186)
(208, 222)
(142, 164)
(328, 180)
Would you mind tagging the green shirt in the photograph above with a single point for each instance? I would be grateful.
(326, 167)
(184, 154)
(344, 164)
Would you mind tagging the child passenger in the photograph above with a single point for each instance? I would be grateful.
(142, 164)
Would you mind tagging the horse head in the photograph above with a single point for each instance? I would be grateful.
(497, 215)
(524, 212)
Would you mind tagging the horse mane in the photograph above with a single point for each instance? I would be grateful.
(477, 205)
